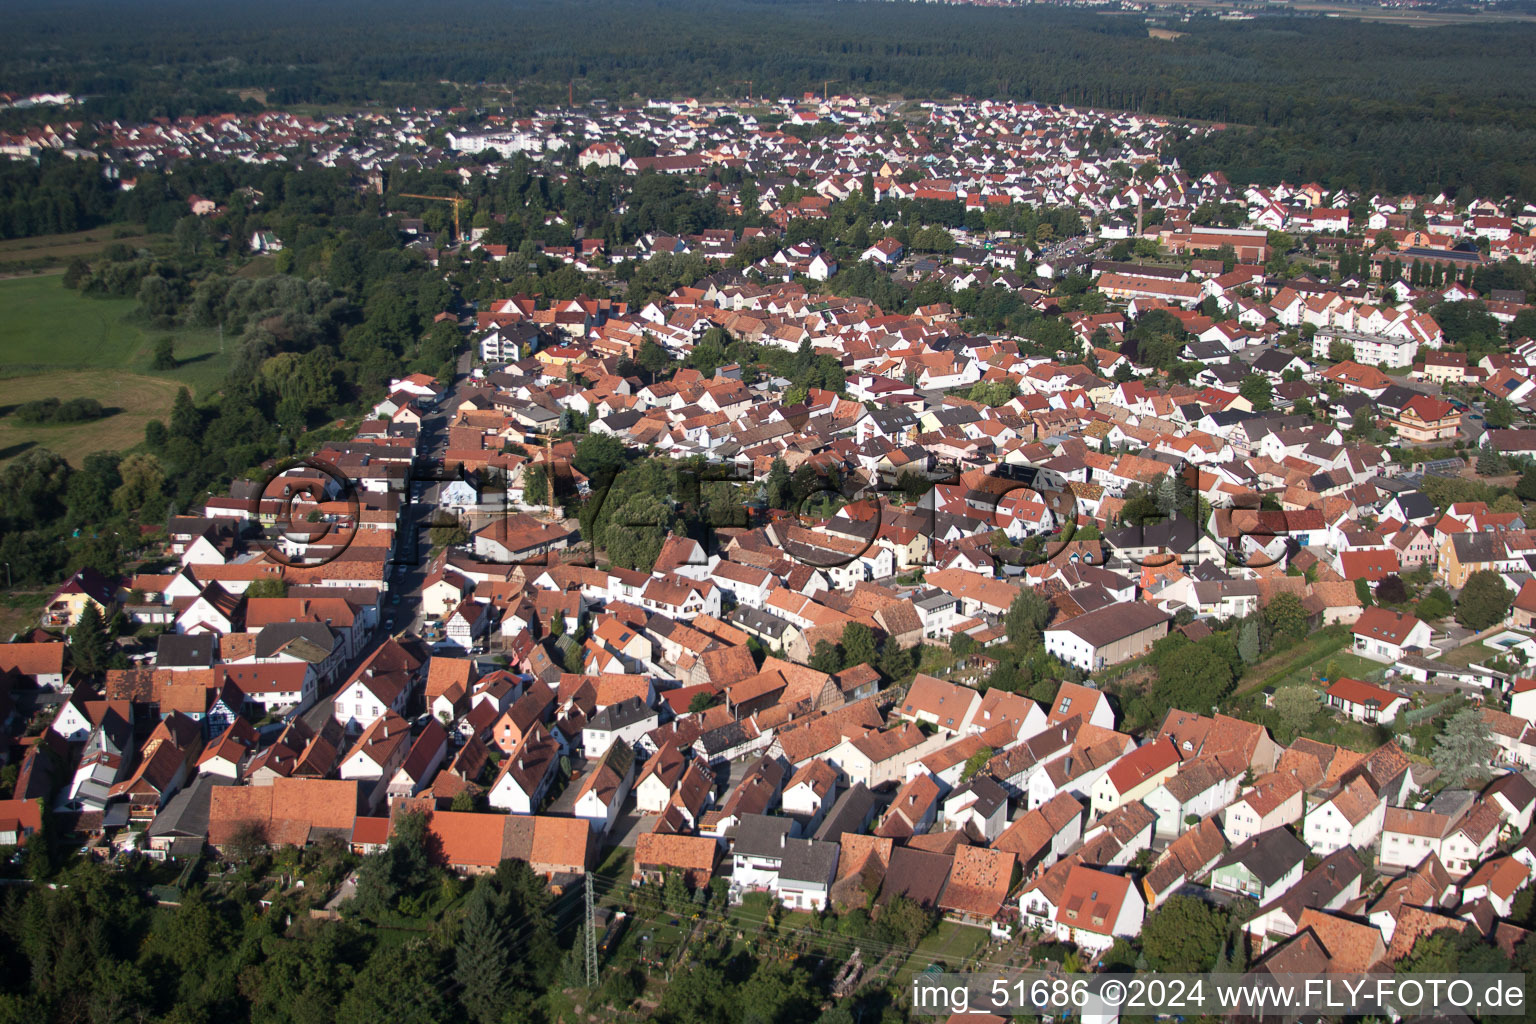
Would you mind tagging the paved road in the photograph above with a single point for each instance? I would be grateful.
(408, 574)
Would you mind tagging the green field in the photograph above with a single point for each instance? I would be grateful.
(58, 343)
(38, 252)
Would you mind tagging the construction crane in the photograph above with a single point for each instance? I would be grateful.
(457, 201)
(748, 83)
(824, 85)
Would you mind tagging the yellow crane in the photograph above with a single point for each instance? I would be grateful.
(824, 85)
(457, 201)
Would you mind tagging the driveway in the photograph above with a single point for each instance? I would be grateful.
(1455, 636)
(628, 828)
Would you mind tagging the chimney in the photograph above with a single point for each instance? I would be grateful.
(783, 840)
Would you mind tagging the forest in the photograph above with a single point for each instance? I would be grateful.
(1350, 104)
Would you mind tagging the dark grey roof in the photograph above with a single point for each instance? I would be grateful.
(851, 812)
(1208, 351)
(1268, 855)
(1477, 547)
(1207, 572)
(729, 735)
(1395, 397)
(955, 416)
(628, 711)
(758, 621)
(761, 835)
(621, 420)
(195, 650)
(1514, 787)
(186, 813)
(989, 795)
(1116, 622)
(916, 874)
(809, 860)
(1179, 534)
(1416, 504)
(894, 418)
(1228, 373)
(1319, 886)
(309, 639)
(1272, 361)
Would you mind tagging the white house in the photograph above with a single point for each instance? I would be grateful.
(1384, 635)
(758, 843)
(629, 720)
(1364, 702)
(1351, 817)
(807, 869)
(527, 773)
(605, 787)
(1097, 907)
(1274, 800)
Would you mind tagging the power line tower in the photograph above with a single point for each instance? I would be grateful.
(591, 939)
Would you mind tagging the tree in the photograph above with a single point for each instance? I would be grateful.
(483, 964)
(1499, 414)
(1286, 617)
(1391, 589)
(777, 488)
(447, 531)
(896, 661)
(912, 485)
(143, 481)
(89, 645)
(1026, 617)
(247, 841)
(403, 987)
(654, 359)
(1191, 678)
(976, 762)
(827, 657)
(1248, 641)
(536, 485)
(1484, 600)
(1525, 490)
(268, 587)
(598, 453)
(1185, 934)
(701, 702)
(905, 922)
(858, 644)
(1258, 390)
(388, 882)
(1295, 706)
(1464, 748)
(1435, 605)
(186, 421)
(165, 354)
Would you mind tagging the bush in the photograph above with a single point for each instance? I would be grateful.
(51, 410)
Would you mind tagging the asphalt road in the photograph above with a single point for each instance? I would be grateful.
(408, 574)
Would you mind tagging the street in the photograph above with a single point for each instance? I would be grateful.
(409, 571)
